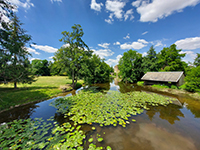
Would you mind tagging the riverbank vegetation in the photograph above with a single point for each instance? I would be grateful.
(44, 87)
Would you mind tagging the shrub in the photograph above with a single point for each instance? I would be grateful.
(193, 80)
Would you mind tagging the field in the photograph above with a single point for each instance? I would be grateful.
(43, 88)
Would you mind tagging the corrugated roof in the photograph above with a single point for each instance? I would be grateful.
(162, 76)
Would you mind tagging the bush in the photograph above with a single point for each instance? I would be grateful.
(193, 80)
(174, 87)
(140, 83)
(161, 86)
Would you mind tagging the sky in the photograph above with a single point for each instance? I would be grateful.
(112, 27)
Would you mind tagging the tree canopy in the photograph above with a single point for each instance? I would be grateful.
(73, 53)
(14, 63)
(169, 59)
(130, 66)
(40, 67)
(197, 60)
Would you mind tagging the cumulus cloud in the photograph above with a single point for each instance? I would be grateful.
(30, 50)
(113, 62)
(45, 48)
(31, 59)
(51, 57)
(129, 13)
(56, 1)
(94, 5)
(117, 43)
(189, 57)
(143, 41)
(25, 4)
(158, 9)
(188, 43)
(115, 8)
(127, 37)
(134, 45)
(144, 32)
(144, 54)
(103, 53)
(104, 45)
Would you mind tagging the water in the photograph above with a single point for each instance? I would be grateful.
(175, 127)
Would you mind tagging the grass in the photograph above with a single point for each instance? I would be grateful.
(43, 88)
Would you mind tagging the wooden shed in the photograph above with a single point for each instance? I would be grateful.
(168, 78)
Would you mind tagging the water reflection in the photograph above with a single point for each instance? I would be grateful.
(171, 113)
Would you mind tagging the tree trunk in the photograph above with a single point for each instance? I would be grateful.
(15, 85)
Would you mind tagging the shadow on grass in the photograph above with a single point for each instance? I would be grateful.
(10, 97)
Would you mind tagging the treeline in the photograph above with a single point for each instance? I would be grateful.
(133, 65)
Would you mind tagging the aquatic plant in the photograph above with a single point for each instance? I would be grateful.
(113, 108)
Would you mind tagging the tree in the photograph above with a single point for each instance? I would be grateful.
(197, 60)
(193, 80)
(14, 64)
(130, 66)
(169, 59)
(95, 70)
(73, 53)
(150, 61)
(40, 67)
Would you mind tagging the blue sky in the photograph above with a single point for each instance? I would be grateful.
(112, 27)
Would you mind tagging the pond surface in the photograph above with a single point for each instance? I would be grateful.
(174, 127)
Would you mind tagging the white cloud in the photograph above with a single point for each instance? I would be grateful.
(104, 45)
(94, 5)
(127, 37)
(45, 48)
(190, 56)
(103, 52)
(135, 45)
(144, 32)
(56, 1)
(188, 43)
(136, 3)
(117, 43)
(115, 8)
(143, 41)
(25, 4)
(158, 43)
(113, 62)
(51, 57)
(144, 54)
(31, 59)
(158, 9)
(30, 50)
(129, 13)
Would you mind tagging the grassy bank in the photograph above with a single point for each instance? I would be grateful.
(43, 88)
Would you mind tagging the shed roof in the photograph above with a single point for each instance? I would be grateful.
(163, 76)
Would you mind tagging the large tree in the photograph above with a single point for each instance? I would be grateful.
(14, 63)
(73, 53)
(95, 70)
(40, 67)
(150, 61)
(169, 59)
(130, 66)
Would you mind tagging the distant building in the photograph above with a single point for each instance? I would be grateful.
(116, 70)
(168, 78)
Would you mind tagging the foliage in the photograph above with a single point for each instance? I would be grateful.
(43, 88)
(169, 59)
(161, 86)
(95, 70)
(113, 108)
(150, 61)
(73, 53)
(130, 66)
(140, 83)
(37, 134)
(57, 68)
(193, 80)
(40, 67)
(197, 60)
(14, 63)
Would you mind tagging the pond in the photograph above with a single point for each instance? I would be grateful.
(176, 126)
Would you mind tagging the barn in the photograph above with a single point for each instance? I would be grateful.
(168, 78)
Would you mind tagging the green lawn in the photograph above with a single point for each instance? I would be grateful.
(43, 88)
